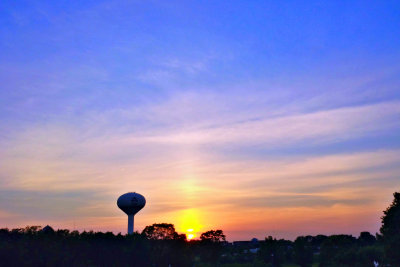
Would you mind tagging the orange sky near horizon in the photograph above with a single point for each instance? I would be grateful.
(282, 197)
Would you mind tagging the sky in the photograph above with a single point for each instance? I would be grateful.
(259, 118)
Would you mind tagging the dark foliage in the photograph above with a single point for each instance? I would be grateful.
(166, 246)
(303, 251)
(347, 251)
(160, 245)
(213, 236)
(390, 231)
(32, 247)
(162, 231)
(366, 239)
(211, 246)
(272, 251)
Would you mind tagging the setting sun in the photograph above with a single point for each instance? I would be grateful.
(190, 235)
(189, 221)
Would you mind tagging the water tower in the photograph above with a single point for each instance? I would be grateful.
(131, 203)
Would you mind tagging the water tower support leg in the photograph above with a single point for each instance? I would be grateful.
(130, 224)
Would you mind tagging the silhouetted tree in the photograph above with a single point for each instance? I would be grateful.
(366, 239)
(161, 231)
(316, 241)
(160, 245)
(31, 247)
(272, 252)
(366, 256)
(166, 245)
(303, 251)
(213, 236)
(336, 250)
(390, 231)
(32, 230)
(211, 245)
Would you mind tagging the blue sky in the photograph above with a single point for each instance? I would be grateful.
(286, 108)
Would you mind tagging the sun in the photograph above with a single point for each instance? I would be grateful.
(190, 235)
(189, 223)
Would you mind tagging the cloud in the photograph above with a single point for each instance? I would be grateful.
(297, 200)
(327, 126)
(47, 204)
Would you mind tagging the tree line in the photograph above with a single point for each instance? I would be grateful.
(160, 245)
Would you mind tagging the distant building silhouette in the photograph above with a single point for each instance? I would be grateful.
(47, 230)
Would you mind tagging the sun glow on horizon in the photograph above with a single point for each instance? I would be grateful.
(190, 235)
(189, 223)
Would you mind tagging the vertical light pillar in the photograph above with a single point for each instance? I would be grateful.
(130, 223)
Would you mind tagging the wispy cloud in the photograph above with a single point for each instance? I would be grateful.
(322, 126)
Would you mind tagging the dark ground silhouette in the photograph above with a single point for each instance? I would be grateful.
(161, 245)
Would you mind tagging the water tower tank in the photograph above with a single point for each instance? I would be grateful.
(131, 203)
